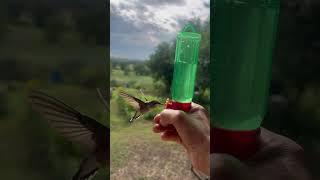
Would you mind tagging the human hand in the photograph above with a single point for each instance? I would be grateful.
(277, 158)
(192, 130)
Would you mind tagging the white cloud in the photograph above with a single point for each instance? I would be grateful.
(163, 16)
(146, 23)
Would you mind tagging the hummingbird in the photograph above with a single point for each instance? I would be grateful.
(140, 106)
(77, 128)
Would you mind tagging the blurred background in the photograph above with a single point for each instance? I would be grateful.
(294, 106)
(61, 48)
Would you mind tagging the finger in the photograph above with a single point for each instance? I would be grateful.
(195, 105)
(157, 128)
(198, 108)
(190, 131)
(156, 119)
(170, 136)
(169, 117)
(200, 113)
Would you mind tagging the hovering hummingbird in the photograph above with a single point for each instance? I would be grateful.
(77, 128)
(140, 106)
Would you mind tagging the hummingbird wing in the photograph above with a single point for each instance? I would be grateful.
(70, 123)
(133, 101)
(87, 170)
(104, 98)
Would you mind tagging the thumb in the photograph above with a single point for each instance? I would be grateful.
(189, 130)
(177, 118)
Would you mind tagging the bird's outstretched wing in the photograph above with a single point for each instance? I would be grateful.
(70, 123)
(104, 98)
(133, 101)
(88, 169)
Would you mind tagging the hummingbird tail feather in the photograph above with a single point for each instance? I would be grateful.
(88, 169)
(135, 118)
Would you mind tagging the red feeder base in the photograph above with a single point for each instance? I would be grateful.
(240, 144)
(178, 106)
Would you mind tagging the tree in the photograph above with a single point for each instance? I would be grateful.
(3, 24)
(93, 25)
(41, 11)
(141, 69)
(54, 28)
(161, 63)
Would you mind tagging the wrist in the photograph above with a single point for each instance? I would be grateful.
(201, 157)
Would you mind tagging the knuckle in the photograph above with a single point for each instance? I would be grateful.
(180, 115)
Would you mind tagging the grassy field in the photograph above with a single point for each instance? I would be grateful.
(137, 152)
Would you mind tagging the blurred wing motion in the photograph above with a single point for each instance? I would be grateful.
(69, 122)
(104, 98)
(87, 170)
(74, 126)
(133, 101)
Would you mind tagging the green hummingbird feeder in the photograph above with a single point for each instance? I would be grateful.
(185, 65)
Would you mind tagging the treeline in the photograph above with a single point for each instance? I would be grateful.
(139, 67)
(87, 18)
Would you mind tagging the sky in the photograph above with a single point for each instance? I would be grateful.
(138, 26)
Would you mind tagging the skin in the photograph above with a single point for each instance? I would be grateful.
(191, 130)
(278, 157)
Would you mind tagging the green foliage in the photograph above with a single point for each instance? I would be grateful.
(92, 26)
(54, 28)
(3, 23)
(141, 69)
(3, 101)
(161, 63)
(11, 69)
(41, 12)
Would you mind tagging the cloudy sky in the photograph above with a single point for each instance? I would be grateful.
(138, 26)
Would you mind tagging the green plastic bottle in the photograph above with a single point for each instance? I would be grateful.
(242, 43)
(185, 65)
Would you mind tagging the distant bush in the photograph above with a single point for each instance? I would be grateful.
(3, 27)
(150, 115)
(11, 69)
(3, 102)
(141, 69)
(54, 29)
(114, 83)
